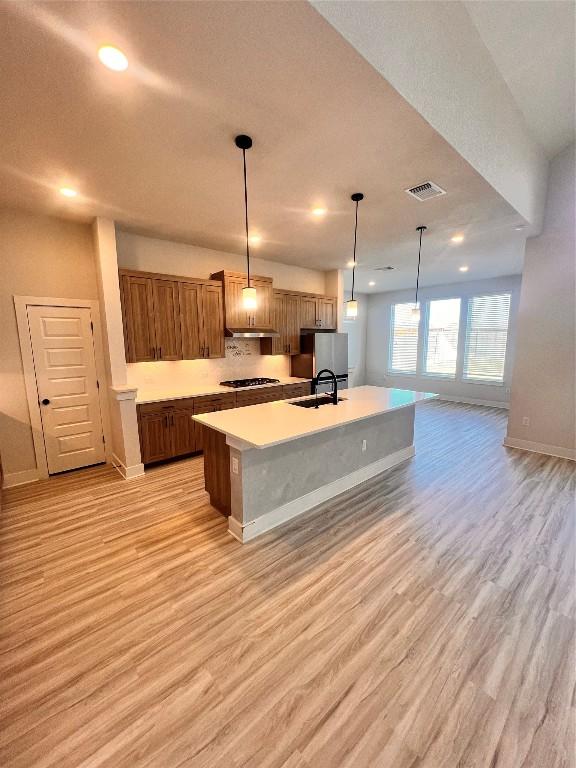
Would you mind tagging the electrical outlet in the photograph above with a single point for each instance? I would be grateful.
(525, 421)
(234, 465)
(364, 445)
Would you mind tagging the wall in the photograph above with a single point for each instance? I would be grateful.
(154, 255)
(433, 55)
(544, 382)
(356, 330)
(241, 361)
(378, 332)
(40, 256)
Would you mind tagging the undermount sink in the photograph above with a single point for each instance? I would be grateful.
(314, 402)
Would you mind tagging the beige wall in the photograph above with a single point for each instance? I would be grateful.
(153, 255)
(39, 256)
(544, 382)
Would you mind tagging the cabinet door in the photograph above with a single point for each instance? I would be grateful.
(138, 313)
(167, 320)
(185, 437)
(155, 436)
(257, 396)
(308, 312)
(292, 323)
(279, 343)
(327, 313)
(236, 315)
(213, 320)
(191, 323)
(262, 315)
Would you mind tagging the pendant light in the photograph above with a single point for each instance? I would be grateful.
(416, 309)
(249, 293)
(352, 304)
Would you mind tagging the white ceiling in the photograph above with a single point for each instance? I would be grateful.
(153, 147)
(532, 44)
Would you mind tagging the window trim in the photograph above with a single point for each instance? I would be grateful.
(426, 329)
(459, 376)
(473, 380)
(389, 369)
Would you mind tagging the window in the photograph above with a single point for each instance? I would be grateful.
(403, 354)
(442, 341)
(486, 337)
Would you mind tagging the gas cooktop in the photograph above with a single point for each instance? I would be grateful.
(248, 382)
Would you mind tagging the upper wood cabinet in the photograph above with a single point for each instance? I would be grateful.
(286, 320)
(166, 315)
(202, 320)
(171, 318)
(138, 315)
(318, 312)
(235, 314)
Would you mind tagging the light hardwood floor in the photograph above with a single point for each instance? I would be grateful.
(423, 620)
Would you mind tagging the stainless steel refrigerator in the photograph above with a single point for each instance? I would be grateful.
(322, 350)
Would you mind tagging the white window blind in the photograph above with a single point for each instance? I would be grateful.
(442, 339)
(403, 352)
(486, 337)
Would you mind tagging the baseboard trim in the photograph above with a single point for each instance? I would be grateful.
(128, 473)
(12, 479)
(547, 450)
(474, 401)
(292, 509)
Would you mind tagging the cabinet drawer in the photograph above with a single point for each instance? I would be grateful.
(208, 403)
(297, 390)
(265, 395)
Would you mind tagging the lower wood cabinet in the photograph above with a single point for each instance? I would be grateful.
(297, 390)
(257, 396)
(167, 430)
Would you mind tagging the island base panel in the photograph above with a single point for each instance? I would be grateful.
(217, 469)
(275, 484)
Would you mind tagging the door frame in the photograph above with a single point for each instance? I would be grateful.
(21, 304)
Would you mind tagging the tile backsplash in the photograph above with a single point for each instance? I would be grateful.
(243, 360)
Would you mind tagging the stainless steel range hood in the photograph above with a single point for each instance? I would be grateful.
(250, 332)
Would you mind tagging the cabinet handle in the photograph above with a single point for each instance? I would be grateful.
(166, 421)
(153, 353)
(207, 351)
(159, 353)
(202, 352)
(289, 348)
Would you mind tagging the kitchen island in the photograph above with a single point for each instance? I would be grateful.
(265, 464)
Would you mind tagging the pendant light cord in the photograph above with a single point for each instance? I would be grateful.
(246, 216)
(418, 273)
(354, 265)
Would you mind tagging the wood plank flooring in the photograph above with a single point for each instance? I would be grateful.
(423, 620)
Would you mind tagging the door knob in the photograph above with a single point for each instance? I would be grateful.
(45, 401)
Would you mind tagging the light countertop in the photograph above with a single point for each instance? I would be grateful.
(267, 424)
(158, 394)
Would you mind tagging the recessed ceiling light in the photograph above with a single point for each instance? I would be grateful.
(68, 192)
(463, 269)
(371, 283)
(457, 238)
(113, 58)
(351, 263)
(520, 227)
(319, 212)
(255, 239)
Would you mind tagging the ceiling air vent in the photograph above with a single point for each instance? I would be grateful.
(426, 190)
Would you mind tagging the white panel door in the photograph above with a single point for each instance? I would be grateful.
(65, 368)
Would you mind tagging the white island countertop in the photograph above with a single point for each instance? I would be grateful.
(267, 424)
